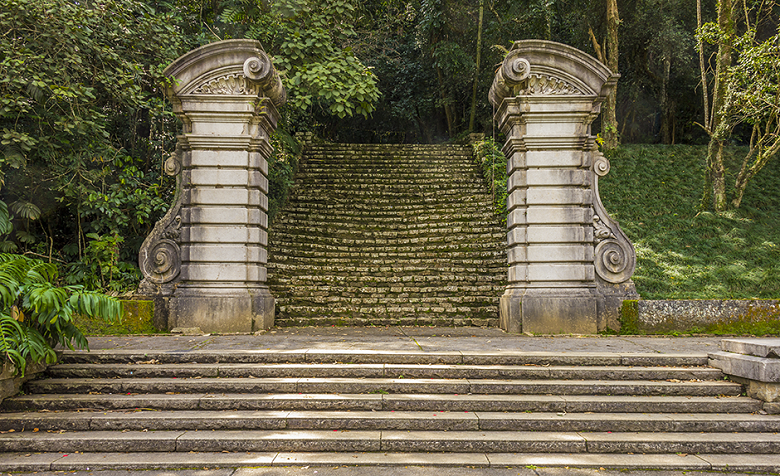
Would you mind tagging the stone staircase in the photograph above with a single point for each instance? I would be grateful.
(136, 409)
(387, 235)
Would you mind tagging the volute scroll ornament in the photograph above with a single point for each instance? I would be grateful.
(614, 255)
(160, 254)
(615, 262)
(515, 69)
(601, 165)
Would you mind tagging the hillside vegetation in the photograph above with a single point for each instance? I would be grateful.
(654, 192)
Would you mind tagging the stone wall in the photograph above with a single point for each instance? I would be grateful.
(662, 316)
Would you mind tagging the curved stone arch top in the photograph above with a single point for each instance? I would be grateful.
(538, 67)
(226, 67)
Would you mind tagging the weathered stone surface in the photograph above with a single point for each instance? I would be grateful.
(683, 314)
(757, 347)
(11, 383)
(747, 366)
(682, 443)
(577, 286)
(483, 441)
(610, 461)
(102, 441)
(387, 235)
(289, 440)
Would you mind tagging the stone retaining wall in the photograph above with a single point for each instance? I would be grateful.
(694, 315)
(10, 383)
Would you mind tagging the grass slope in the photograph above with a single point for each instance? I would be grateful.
(654, 192)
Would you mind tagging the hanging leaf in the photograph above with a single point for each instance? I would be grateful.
(5, 219)
(16, 314)
(26, 209)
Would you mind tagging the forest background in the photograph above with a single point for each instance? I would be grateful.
(85, 127)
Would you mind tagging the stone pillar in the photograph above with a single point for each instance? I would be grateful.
(569, 264)
(206, 258)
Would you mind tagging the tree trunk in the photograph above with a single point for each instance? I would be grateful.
(446, 105)
(609, 124)
(704, 88)
(666, 130)
(715, 167)
(476, 69)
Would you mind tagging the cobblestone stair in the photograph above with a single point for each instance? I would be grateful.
(387, 235)
(209, 409)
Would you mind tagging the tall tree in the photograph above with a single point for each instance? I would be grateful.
(725, 33)
(608, 54)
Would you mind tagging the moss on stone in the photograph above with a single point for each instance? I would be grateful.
(137, 318)
(629, 317)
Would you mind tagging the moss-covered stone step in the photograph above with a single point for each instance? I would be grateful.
(376, 234)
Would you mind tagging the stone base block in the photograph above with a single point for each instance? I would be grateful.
(764, 391)
(772, 408)
(549, 311)
(611, 302)
(746, 366)
(222, 310)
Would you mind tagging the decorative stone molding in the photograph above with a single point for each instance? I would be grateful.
(570, 264)
(228, 84)
(205, 259)
(544, 85)
(159, 257)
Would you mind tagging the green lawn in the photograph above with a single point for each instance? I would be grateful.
(654, 192)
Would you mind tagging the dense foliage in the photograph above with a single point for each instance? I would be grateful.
(84, 125)
(36, 314)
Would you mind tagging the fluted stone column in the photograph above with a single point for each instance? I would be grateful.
(569, 264)
(206, 258)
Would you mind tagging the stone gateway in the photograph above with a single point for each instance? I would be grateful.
(569, 264)
(204, 262)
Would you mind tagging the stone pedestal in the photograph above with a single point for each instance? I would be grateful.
(755, 363)
(207, 256)
(569, 263)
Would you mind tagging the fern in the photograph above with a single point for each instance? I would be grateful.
(37, 314)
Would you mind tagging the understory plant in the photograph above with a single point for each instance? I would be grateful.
(37, 314)
(493, 164)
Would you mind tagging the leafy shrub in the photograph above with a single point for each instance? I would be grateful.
(100, 267)
(36, 314)
(282, 166)
(493, 163)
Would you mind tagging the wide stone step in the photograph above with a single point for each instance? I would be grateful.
(400, 236)
(343, 222)
(383, 420)
(297, 211)
(310, 316)
(371, 245)
(496, 258)
(399, 210)
(362, 273)
(391, 440)
(399, 179)
(384, 385)
(382, 371)
(386, 402)
(359, 356)
(394, 200)
(750, 463)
